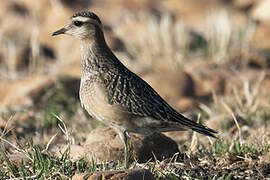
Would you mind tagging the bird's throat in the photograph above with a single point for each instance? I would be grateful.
(92, 55)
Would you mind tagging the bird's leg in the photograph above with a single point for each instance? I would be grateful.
(127, 150)
(125, 139)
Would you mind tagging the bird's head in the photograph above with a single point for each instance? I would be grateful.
(82, 25)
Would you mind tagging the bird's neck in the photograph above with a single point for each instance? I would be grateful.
(93, 52)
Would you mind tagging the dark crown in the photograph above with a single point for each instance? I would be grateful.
(87, 14)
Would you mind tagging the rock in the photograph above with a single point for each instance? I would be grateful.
(244, 5)
(261, 11)
(185, 104)
(158, 144)
(133, 174)
(217, 121)
(71, 70)
(180, 137)
(18, 157)
(19, 92)
(261, 38)
(265, 158)
(76, 151)
(171, 85)
(19, 8)
(103, 144)
(206, 78)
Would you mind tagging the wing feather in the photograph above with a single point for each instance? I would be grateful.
(138, 98)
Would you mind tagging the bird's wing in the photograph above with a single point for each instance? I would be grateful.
(135, 96)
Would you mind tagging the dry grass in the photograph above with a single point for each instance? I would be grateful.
(50, 116)
(165, 39)
(226, 43)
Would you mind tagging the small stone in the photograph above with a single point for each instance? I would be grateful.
(103, 144)
(133, 174)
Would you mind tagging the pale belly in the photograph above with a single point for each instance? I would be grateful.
(94, 100)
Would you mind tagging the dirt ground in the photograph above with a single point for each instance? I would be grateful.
(208, 59)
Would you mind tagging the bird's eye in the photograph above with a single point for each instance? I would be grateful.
(78, 23)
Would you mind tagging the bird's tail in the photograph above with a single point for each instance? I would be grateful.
(189, 124)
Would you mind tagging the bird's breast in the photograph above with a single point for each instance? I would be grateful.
(95, 100)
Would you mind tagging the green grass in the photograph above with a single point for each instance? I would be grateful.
(60, 102)
(41, 165)
(230, 157)
(207, 163)
(224, 158)
(165, 40)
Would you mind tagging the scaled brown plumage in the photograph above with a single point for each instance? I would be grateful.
(113, 94)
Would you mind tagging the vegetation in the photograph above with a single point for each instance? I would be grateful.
(227, 78)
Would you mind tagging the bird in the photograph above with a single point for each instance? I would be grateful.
(116, 96)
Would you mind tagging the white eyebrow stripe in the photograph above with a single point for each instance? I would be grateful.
(80, 18)
(87, 19)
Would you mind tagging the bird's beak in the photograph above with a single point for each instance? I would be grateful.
(60, 31)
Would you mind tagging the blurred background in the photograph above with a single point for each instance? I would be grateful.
(207, 57)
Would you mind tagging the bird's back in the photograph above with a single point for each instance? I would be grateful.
(138, 105)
